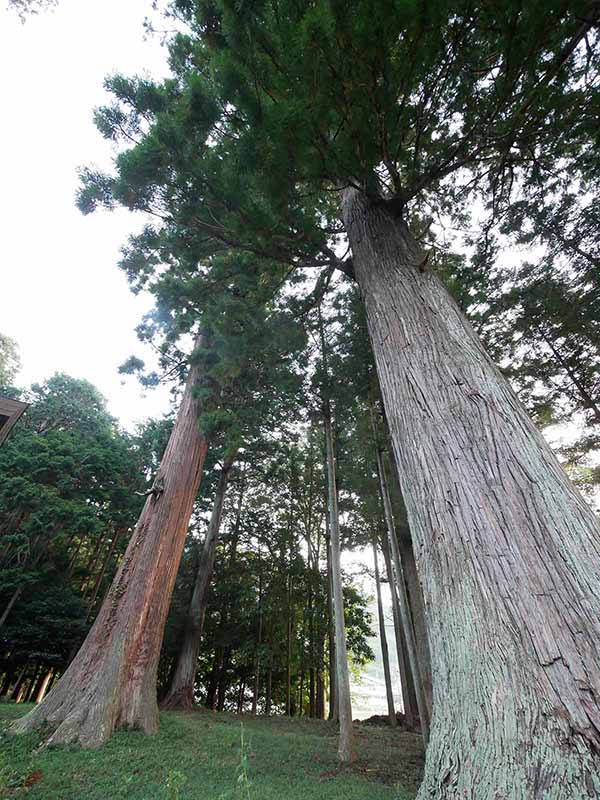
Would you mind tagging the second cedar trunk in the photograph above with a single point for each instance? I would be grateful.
(111, 682)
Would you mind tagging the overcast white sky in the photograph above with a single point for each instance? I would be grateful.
(62, 296)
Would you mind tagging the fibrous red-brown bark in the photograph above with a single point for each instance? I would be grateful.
(508, 552)
(111, 683)
(181, 689)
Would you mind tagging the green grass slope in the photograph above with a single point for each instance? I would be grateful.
(206, 756)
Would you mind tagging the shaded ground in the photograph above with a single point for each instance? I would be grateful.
(200, 756)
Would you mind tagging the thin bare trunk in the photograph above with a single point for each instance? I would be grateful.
(103, 568)
(409, 698)
(288, 663)
(333, 707)
(346, 742)
(33, 686)
(13, 690)
(256, 689)
(415, 591)
(19, 590)
(269, 687)
(384, 645)
(415, 599)
(403, 604)
(9, 606)
(41, 693)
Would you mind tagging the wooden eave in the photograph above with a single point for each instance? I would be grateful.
(10, 412)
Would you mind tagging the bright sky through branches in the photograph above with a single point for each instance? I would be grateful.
(62, 296)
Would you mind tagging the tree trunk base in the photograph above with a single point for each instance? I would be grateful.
(111, 682)
(89, 717)
(179, 698)
(556, 765)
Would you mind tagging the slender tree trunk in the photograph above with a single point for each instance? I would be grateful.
(333, 707)
(241, 692)
(384, 645)
(415, 598)
(311, 646)
(507, 550)
(181, 688)
(409, 698)
(269, 687)
(9, 606)
(256, 688)
(73, 558)
(35, 682)
(16, 687)
(211, 691)
(111, 683)
(301, 693)
(320, 695)
(93, 562)
(23, 689)
(415, 592)
(288, 663)
(346, 743)
(19, 590)
(7, 681)
(403, 604)
(41, 693)
(102, 573)
(223, 684)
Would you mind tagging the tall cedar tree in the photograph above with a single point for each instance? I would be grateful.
(281, 117)
(258, 382)
(111, 682)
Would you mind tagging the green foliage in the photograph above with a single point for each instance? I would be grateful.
(68, 501)
(272, 108)
(273, 105)
(10, 362)
(270, 572)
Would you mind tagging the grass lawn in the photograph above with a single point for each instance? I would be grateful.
(199, 756)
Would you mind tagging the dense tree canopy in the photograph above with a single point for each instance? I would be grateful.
(407, 145)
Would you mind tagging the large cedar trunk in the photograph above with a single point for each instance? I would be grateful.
(507, 551)
(181, 687)
(111, 683)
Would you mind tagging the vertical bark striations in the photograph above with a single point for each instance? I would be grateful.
(507, 551)
(181, 688)
(111, 683)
